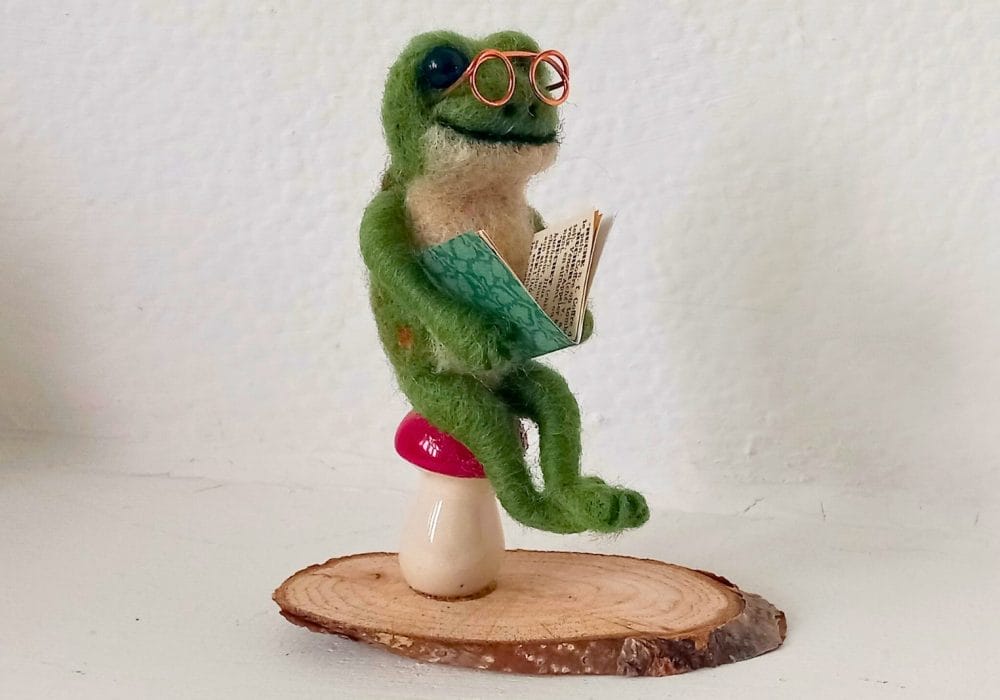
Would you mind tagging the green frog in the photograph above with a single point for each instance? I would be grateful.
(459, 164)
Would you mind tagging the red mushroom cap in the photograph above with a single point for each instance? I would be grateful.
(420, 443)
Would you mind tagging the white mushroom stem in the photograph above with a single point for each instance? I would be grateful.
(452, 544)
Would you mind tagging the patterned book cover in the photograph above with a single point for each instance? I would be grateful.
(466, 267)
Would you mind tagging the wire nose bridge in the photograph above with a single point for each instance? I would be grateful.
(550, 57)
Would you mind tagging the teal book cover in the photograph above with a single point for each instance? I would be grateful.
(467, 268)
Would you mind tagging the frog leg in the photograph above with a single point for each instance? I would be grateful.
(542, 395)
(472, 413)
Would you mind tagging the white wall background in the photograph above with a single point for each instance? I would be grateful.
(798, 314)
(802, 289)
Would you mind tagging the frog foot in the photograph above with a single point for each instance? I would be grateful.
(597, 506)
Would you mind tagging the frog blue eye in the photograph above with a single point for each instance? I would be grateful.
(441, 67)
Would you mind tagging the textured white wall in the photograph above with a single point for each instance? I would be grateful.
(800, 301)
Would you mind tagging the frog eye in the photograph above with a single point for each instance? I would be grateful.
(441, 67)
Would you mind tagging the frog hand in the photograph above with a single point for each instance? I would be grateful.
(588, 325)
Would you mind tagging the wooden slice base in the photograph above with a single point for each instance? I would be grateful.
(551, 612)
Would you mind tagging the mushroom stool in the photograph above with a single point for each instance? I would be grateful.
(452, 545)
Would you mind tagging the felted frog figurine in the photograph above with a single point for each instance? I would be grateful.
(459, 163)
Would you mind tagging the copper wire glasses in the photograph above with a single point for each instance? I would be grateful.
(552, 58)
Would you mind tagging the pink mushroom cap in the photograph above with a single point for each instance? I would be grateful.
(420, 443)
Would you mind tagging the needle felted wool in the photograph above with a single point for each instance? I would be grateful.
(457, 164)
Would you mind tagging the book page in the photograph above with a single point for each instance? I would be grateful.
(558, 274)
(602, 223)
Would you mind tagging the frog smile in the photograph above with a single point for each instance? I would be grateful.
(508, 136)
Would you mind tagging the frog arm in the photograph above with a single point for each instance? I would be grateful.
(392, 264)
(588, 318)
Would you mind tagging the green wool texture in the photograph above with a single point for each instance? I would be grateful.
(454, 365)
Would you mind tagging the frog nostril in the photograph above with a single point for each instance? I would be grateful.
(510, 110)
(533, 110)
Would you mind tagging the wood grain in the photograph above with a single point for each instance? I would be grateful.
(552, 612)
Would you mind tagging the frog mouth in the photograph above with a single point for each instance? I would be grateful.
(508, 137)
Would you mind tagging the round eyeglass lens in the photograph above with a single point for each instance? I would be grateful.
(483, 59)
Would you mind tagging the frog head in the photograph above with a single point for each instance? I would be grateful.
(433, 124)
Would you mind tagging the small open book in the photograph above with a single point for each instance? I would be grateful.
(546, 311)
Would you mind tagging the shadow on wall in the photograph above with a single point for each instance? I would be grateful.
(37, 412)
(819, 355)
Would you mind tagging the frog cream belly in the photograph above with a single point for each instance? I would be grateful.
(470, 185)
(461, 154)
